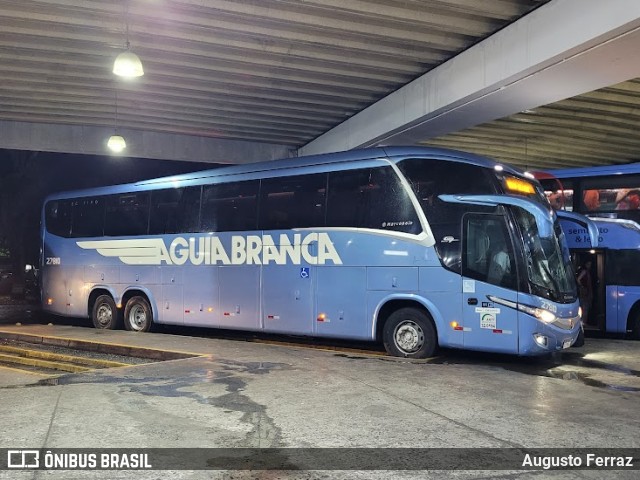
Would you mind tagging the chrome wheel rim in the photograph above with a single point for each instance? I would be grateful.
(104, 315)
(137, 317)
(409, 336)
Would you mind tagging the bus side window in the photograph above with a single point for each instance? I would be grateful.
(87, 217)
(230, 206)
(293, 202)
(127, 214)
(370, 198)
(175, 210)
(58, 217)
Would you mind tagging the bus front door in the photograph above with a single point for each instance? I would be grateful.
(488, 272)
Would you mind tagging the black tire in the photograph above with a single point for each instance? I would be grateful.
(409, 332)
(138, 316)
(635, 326)
(105, 314)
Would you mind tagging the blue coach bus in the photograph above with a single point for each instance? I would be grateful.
(610, 196)
(416, 247)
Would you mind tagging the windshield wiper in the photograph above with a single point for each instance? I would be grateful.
(556, 286)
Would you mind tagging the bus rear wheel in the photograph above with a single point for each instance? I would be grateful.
(137, 315)
(409, 332)
(104, 314)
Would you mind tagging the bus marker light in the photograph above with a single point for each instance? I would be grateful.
(210, 309)
(518, 185)
(187, 311)
(459, 328)
(49, 301)
(322, 317)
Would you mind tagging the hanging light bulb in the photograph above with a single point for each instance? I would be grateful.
(127, 64)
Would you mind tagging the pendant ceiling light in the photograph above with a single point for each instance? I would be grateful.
(127, 64)
(116, 143)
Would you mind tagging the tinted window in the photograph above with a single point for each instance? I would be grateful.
(127, 214)
(293, 202)
(230, 206)
(370, 198)
(430, 178)
(617, 197)
(58, 217)
(622, 267)
(488, 255)
(559, 193)
(613, 196)
(87, 217)
(175, 210)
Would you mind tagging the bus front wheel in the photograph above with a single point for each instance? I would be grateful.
(137, 315)
(635, 326)
(104, 314)
(408, 332)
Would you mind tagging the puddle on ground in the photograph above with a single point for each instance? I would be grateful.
(556, 366)
(165, 383)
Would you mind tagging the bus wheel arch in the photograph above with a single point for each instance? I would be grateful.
(103, 311)
(633, 321)
(407, 329)
(138, 313)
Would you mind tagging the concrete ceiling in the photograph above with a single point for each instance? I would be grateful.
(281, 72)
(597, 128)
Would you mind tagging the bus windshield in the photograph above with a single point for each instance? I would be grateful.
(547, 259)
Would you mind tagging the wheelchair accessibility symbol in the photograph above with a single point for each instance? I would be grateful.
(304, 272)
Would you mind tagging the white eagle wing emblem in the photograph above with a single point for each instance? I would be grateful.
(149, 251)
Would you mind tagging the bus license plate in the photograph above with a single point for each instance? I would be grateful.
(566, 343)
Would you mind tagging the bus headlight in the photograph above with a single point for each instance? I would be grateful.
(543, 315)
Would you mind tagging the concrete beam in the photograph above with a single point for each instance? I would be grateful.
(564, 48)
(140, 144)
